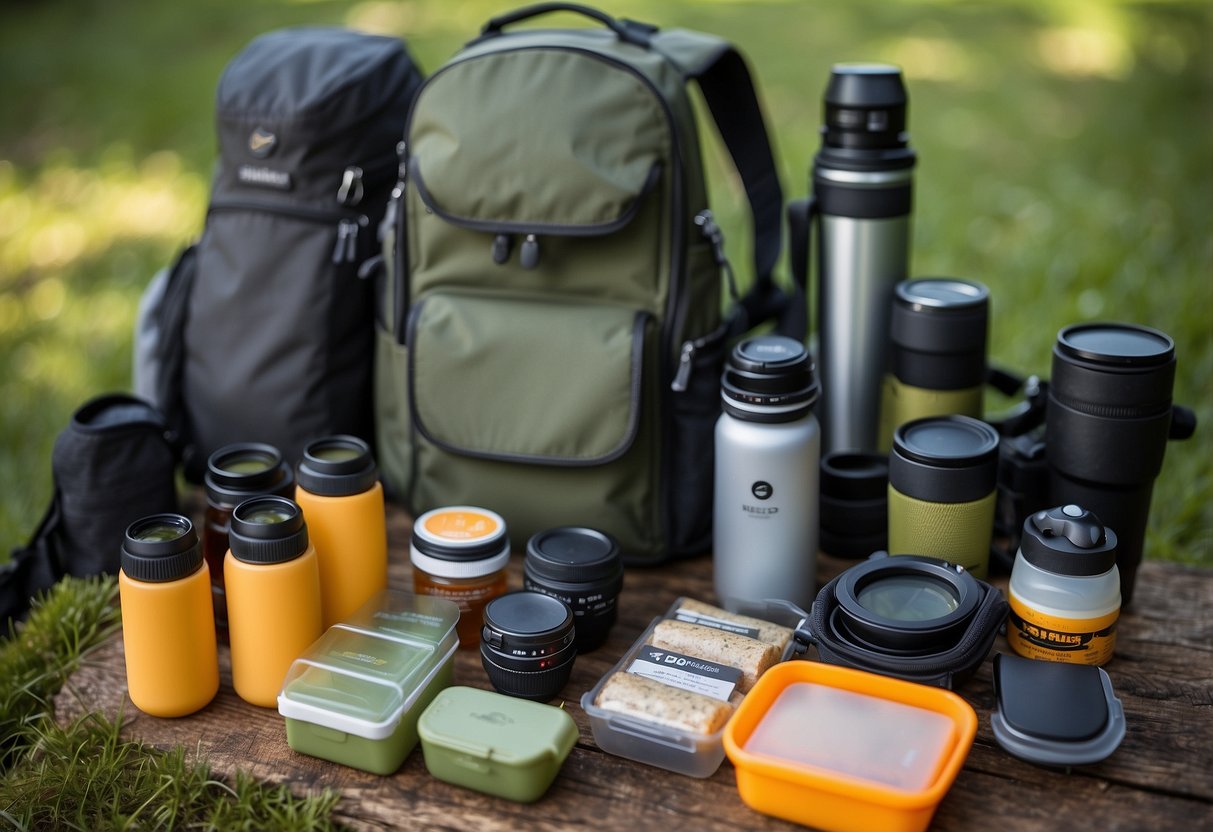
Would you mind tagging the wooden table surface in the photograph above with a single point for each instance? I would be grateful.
(1161, 777)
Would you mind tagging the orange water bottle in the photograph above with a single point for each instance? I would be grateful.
(273, 595)
(337, 486)
(168, 622)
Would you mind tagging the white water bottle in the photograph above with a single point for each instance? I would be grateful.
(768, 450)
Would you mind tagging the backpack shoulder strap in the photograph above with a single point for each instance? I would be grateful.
(728, 89)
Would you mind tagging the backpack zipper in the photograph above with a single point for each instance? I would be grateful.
(348, 223)
(711, 232)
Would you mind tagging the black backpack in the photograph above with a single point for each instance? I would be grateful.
(262, 330)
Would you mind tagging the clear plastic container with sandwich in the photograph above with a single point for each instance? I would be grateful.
(686, 736)
(355, 695)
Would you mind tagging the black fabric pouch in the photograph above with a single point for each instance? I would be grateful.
(114, 463)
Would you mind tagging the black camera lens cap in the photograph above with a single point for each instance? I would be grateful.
(1114, 344)
(574, 554)
(525, 619)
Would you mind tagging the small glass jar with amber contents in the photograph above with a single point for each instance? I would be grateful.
(461, 553)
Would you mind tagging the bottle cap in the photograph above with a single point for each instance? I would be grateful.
(268, 530)
(245, 469)
(1068, 540)
(337, 466)
(159, 548)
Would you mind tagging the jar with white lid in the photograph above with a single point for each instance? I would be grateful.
(461, 553)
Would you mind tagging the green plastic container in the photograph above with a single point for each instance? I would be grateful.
(495, 744)
(354, 696)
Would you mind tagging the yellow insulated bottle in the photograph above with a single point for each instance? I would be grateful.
(273, 595)
(168, 621)
(338, 489)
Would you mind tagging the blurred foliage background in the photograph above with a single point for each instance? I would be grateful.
(1066, 160)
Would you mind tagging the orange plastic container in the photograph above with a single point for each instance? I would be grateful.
(168, 622)
(273, 595)
(337, 486)
(845, 750)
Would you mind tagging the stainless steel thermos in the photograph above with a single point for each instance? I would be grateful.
(768, 449)
(862, 191)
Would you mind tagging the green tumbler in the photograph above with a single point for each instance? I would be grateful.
(942, 477)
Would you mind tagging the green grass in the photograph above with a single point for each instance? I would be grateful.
(1064, 161)
(83, 775)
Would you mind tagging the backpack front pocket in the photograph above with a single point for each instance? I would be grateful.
(540, 410)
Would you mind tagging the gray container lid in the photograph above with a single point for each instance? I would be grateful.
(1054, 713)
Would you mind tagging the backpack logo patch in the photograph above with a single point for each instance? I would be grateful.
(264, 177)
(261, 142)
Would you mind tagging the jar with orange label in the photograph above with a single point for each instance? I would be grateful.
(461, 553)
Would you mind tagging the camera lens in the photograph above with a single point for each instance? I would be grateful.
(908, 598)
(162, 547)
(1109, 419)
(583, 568)
(527, 645)
(906, 604)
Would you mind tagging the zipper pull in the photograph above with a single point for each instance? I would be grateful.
(683, 377)
(343, 231)
(713, 234)
(351, 240)
(350, 192)
(501, 249)
(346, 248)
(528, 256)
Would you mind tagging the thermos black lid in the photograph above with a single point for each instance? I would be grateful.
(337, 466)
(159, 548)
(1068, 540)
(268, 530)
(574, 554)
(245, 469)
(944, 459)
(865, 108)
(769, 379)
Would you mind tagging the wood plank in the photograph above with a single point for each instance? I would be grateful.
(1163, 672)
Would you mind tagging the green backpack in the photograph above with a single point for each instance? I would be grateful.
(550, 335)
